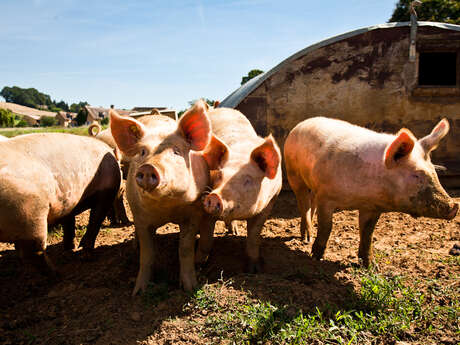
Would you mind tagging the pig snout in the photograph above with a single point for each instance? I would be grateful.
(213, 204)
(453, 212)
(147, 177)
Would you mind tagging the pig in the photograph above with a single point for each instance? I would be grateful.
(166, 178)
(117, 213)
(245, 181)
(3, 138)
(334, 165)
(48, 178)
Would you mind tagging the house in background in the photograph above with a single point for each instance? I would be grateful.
(65, 118)
(99, 113)
(141, 111)
(382, 77)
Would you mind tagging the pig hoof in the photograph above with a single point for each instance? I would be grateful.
(455, 250)
(255, 267)
(317, 252)
(87, 255)
(69, 246)
(140, 287)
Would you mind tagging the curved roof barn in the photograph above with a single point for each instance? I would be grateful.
(366, 77)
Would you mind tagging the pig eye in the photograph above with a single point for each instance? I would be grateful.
(143, 152)
(417, 176)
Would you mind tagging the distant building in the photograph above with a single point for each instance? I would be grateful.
(65, 118)
(99, 113)
(141, 111)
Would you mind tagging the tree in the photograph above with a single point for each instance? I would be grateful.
(105, 121)
(75, 107)
(251, 74)
(81, 116)
(28, 97)
(62, 105)
(6, 118)
(446, 11)
(47, 121)
(210, 102)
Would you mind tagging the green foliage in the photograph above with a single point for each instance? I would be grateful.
(73, 130)
(6, 118)
(210, 102)
(28, 97)
(81, 116)
(47, 121)
(251, 74)
(384, 310)
(63, 106)
(33, 98)
(105, 121)
(75, 107)
(20, 122)
(446, 11)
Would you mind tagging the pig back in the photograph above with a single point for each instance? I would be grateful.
(232, 127)
(331, 155)
(62, 168)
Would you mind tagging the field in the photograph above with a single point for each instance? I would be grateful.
(12, 132)
(410, 297)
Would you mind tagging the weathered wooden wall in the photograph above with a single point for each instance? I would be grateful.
(367, 80)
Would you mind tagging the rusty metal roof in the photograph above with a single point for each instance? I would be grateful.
(239, 94)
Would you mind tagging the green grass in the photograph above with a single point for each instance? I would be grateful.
(384, 310)
(83, 130)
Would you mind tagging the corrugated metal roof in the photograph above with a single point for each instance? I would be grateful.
(239, 94)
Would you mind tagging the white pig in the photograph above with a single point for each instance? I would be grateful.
(166, 178)
(245, 179)
(335, 165)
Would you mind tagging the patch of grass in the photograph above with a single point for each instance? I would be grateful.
(9, 133)
(385, 309)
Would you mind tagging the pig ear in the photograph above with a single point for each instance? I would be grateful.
(400, 147)
(216, 153)
(431, 141)
(267, 157)
(195, 126)
(126, 132)
(216, 104)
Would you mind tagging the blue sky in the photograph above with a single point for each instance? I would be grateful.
(162, 53)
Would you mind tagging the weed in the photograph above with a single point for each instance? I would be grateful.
(384, 309)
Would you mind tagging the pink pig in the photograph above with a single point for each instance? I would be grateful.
(245, 179)
(333, 165)
(166, 178)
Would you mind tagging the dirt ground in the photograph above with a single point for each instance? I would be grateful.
(92, 304)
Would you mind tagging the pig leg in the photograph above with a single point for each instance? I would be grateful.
(205, 241)
(69, 232)
(304, 205)
(99, 210)
(367, 222)
(231, 228)
(325, 213)
(255, 225)
(119, 210)
(187, 236)
(146, 257)
(96, 217)
(303, 195)
(34, 252)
